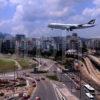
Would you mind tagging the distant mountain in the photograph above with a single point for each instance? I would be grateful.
(84, 39)
(4, 35)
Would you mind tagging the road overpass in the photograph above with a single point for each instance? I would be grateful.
(95, 59)
(90, 74)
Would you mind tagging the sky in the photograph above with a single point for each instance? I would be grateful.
(31, 17)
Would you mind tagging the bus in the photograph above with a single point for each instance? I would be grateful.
(89, 89)
(89, 96)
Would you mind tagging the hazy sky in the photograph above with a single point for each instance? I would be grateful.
(31, 17)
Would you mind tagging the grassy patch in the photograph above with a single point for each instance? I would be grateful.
(52, 77)
(68, 62)
(25, 63)
(7, 65)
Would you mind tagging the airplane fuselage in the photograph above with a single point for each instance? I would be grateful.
(71, 27)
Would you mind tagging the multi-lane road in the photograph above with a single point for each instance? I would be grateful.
(45, 91)
(71, 86)
(91, 73)
(88, 69)
(44, 88)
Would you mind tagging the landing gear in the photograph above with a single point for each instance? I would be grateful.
(71, 29)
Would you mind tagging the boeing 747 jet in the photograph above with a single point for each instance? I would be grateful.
(71, 27)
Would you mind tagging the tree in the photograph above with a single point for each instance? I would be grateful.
(84, 48)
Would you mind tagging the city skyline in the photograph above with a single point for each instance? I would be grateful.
(31, 18)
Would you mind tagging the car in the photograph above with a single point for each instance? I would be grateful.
(78, 87)
(33, 81)
(24, 73)
(37, 98)
(77, 81)
(45, 64)
(42, 78)
(37, 79)
(14, 80)
(27, 75)
(34, 85)
(73, 77)
(26, 97)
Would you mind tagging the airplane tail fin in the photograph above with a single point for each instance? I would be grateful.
(91, 21)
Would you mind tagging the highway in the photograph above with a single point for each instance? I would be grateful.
(95, 59)
(44, 64)
(45, 91)
(92, 68)
(92, 72)
(54, 67)
(44, 88)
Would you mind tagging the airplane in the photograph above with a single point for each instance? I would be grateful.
(71, 27)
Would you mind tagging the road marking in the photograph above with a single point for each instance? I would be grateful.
(55, 92)
(58, 93)
(71, 79)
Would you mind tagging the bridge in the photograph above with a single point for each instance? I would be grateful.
(95, 60)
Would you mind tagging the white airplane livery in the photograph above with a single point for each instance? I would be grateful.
(71, 27)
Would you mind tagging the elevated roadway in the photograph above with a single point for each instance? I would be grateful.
(95, 59)
(89, 72)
